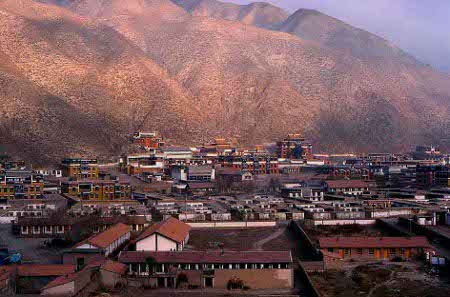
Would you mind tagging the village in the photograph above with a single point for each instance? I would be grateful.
(223, 219)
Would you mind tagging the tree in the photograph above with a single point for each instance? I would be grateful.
(150, 263)
(182, 279)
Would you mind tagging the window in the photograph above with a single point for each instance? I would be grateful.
(330, 250)
(36, 229)
(48, 229)
(347, 252)
(24, 229)
(402, 251)
(392, 251)
(359, 251)
(371, 251)
(80, 263)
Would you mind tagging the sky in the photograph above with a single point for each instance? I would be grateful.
(420, 27)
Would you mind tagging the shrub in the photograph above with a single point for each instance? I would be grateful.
(235, 283)
(182, 279)
(397, 259)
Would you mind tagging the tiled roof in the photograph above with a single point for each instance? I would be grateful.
(346, 184)
(373, 242)
(38, 270)
(107, 237)
(202, 257)
(53, 221)
(114, 267)
(170, 228)
(62, 280)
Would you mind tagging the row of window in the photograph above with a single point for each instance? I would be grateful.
(45, 229)
(392, 251)
(158, 268)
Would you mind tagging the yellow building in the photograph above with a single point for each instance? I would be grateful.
(97, 190)
(21, 185)
(80, 168)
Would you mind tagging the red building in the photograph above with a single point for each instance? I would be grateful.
(294, 147)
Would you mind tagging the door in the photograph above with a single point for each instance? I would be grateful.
(385, 253)
(408, 253)
(209, 282)
(377, 253)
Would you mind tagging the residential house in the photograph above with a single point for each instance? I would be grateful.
(97, 189)
(168, 235)
(346, 187)
(80, 168)
(31, 278)
(108, 241)
(21, 184)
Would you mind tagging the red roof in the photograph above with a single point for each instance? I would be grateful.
(62, 280)
(114, 267)
(38, 270)
(170, 228)
(346, 184)
(107, 237)
(205, 257)
(373, 242)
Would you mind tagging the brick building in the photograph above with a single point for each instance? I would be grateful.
(213, 269)
(374, 247)
(294, 146)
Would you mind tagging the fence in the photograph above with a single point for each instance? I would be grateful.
(240, 224)
(309, 286)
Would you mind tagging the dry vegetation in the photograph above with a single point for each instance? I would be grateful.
(379, 279)
(277, 238)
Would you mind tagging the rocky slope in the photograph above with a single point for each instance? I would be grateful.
(115, 66)
(258, 14)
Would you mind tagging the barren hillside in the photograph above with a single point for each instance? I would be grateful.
(115, 66)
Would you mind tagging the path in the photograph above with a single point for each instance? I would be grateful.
(259, 244)
(391, 276)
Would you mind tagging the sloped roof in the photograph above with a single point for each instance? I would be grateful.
(170, 228)
(374, 242)
(107, 237)
(205, 257)
(114, 267)
(42, 270)
(346, 184)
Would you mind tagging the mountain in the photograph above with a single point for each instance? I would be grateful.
(112, 67)
(330, 32)
(76, 86)
(258, 14)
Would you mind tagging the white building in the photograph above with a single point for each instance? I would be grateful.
(169, 235)
(108, 241)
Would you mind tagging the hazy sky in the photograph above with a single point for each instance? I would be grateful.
(420, 27)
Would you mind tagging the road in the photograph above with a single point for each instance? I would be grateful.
(259, 244)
